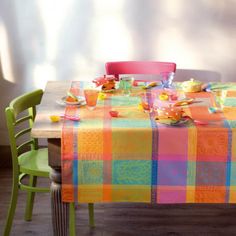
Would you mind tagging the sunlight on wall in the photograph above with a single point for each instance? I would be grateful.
(173, 47)
(111, 39)
(178, 42)
(105, 31)
(221, 56)
(108, 6)
(172, 43)
(53, 14)
(172, 8)
(42, 74)
(215, 4)
(5, 55)
(83, 69)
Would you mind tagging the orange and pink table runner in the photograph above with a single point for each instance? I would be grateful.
(132, 158)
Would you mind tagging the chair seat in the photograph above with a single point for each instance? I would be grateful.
(35, 162)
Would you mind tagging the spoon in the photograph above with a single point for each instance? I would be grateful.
(56, 118)
(197, 122)
(184, 102)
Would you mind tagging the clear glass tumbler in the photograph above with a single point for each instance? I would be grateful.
(126, 85)
(219, 99)
(147, 102)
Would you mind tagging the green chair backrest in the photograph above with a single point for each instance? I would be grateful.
(20, 115)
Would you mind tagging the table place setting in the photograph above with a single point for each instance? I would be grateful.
(155, 97)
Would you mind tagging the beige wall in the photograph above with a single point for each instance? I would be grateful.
(44, 40)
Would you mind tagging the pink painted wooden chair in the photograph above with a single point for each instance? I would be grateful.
(139, 67)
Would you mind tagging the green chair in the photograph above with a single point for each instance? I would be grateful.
(27, 158)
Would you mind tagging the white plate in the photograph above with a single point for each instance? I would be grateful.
(181, 122)
(81, 101)
(178, 123)
(108, 91)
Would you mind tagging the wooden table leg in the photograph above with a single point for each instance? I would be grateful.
(60, 210)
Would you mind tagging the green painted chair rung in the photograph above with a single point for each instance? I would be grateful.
(72, 217)
(27, 158)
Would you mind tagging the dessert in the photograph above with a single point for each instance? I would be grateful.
(71, 97)
(192, 86)
(169, 114)
(109, 85)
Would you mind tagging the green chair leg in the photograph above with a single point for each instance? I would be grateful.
(12, 207)
(30, 199)
(72, 225)
(91, 214)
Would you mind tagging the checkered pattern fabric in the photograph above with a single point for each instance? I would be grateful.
(132, 158)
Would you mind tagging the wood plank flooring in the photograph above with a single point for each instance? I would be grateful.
(122, 219)
(5, 157)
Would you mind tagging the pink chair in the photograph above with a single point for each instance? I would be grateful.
(139, 67)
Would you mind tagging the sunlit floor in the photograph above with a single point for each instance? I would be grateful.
(122, 219)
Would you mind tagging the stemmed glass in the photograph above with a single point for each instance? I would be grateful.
(167, 79)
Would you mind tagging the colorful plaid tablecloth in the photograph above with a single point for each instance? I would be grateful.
(134, 159)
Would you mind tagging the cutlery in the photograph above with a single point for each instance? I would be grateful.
(184, 102)
(56, 118)
(150, 85)
(197, 122)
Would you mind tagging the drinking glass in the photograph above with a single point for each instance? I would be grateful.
(167, 79)
(91, 96)
(219, 98)
(126, 85)
(147, 102)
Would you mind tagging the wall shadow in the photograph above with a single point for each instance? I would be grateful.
(5, 97)
(1, 72)
(142, 30)
(202, 75)
(76, 42)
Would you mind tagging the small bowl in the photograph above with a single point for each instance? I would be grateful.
(192, 86)
(114, 113)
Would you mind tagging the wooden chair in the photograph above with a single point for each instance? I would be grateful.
(139, 67)
(27, 158)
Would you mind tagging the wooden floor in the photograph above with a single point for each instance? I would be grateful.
(122, 219)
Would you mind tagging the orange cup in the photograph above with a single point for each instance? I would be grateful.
(91, 97)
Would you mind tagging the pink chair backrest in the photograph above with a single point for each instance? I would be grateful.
(139, 67)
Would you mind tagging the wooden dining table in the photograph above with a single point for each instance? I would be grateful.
(44, 129)
(187, 154)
